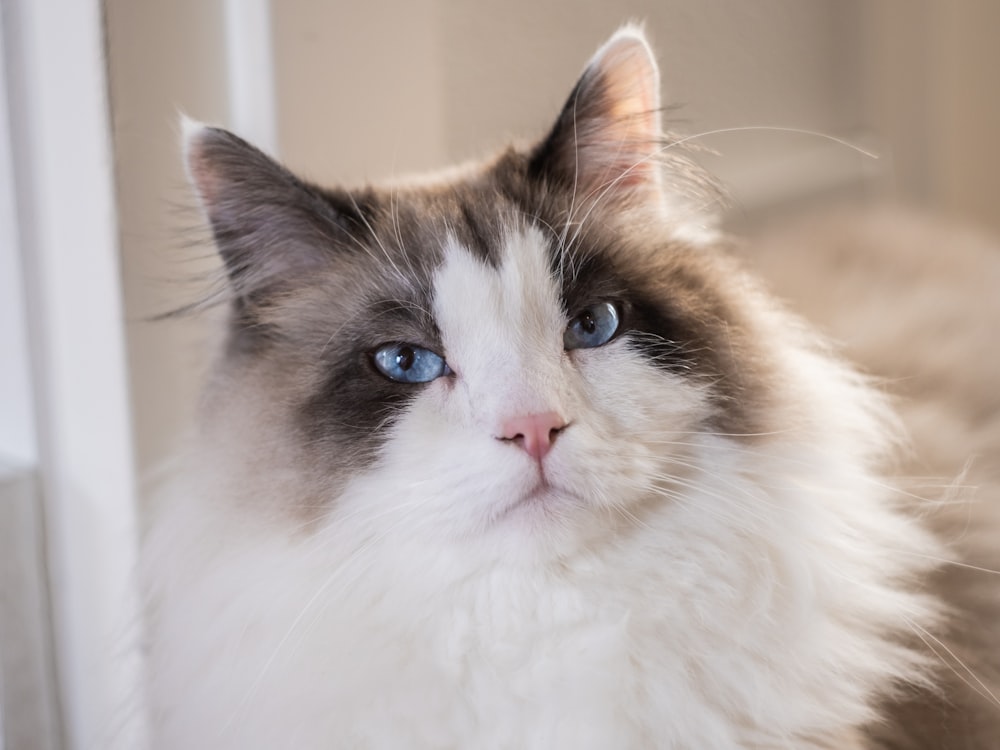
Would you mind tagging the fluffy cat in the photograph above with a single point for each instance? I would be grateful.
(519, 456)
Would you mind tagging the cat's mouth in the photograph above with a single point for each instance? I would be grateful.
(542, 497)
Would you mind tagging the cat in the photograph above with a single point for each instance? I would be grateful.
(522, 455)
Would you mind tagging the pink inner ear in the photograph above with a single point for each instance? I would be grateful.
(199, 171)
(620, 145)
(632, 84)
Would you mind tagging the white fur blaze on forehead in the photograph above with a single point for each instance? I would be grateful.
(502, 327)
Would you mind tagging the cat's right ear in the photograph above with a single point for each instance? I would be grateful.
(268, 225)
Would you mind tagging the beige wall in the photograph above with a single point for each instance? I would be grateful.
(370, 90)
(933, 95)
(966, 107)
(165, 58)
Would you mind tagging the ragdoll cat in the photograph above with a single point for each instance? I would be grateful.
(518, 456)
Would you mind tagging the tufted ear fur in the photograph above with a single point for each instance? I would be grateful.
(607, 140)
(269, 226)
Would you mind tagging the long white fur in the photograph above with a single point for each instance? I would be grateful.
(675, 589)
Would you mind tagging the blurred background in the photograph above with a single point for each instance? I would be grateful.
(98, 233)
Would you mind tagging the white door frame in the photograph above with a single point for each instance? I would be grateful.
(64, 399)
(60, 188)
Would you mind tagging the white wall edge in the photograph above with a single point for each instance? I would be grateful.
(250, 70)
(27, 678)
(17, 427)
(63, 168)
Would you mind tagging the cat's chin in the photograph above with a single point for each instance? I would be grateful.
(538, 499)
(542, 505)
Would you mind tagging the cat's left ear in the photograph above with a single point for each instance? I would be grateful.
(607, 141)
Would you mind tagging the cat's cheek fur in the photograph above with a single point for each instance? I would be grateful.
(638, 428)
(631, 435)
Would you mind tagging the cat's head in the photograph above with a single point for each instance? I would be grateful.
(539, 340)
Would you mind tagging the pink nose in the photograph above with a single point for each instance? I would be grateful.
(534, 432)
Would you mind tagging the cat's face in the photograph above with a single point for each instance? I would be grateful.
(534, 344)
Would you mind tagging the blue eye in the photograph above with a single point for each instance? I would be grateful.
(593, 327)
(406, 363)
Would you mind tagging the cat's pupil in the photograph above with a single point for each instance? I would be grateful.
(587, 322)
(405, 357)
